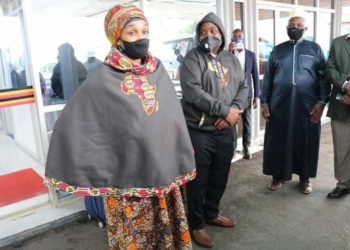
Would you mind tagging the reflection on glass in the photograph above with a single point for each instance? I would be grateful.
(262, 120)
(177, 49)
(75, 40)
(310, 22)
(329, 4)
(282, 1)
(50, 120)
(307, 2)
(238, 24)
(345, 18)
(281, 27)
(266, 37)
(67, 74)
(324, 23)
(172, 30)
(13, 66)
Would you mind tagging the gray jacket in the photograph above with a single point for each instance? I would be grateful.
(211, 85)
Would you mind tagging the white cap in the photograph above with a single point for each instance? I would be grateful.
(90, 52)
(298, 12)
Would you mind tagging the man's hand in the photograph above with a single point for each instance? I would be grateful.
(347, 88)
(221, 123)
(346, 99)
(265, 111)
(232, 46)
(233, 116)
(255, 102)
(316, 112)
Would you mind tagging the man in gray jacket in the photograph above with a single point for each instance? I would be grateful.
(214, 95)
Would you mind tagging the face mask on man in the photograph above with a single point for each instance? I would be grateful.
(137, 49)
(295, 33)
(210, 43)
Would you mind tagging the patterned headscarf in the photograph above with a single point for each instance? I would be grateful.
(117, 18)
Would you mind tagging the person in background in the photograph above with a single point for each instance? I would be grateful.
(68, 74)
(18, 76)
(214, 94)
(92, 62)
(123, 136)
(338, 75)
(292, 101)
(42, 83)
(249, 65)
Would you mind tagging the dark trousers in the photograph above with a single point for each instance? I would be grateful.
(247, 121)
(213, 154)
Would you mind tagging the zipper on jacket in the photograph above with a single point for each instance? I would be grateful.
(293, 79)
(201, 122)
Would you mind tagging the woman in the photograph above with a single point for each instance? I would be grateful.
(123, 136)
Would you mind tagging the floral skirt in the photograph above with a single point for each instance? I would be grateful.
(147, 223)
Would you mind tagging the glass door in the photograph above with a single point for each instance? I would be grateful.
(21, 158)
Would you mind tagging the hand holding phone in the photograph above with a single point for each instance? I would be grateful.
(236, 44)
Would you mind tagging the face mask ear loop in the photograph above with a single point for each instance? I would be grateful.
(120, 48)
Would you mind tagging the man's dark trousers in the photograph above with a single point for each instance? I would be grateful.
(213, 154)
(247, 122)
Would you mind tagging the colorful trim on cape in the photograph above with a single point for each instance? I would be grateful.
(127, 192)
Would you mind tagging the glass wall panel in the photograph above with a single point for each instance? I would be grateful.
(20, 151)
(345, 19)
(266, 42)
(238, 22)
(328, 4)
(266, 33)
(307, 2)
(310, 24)
(281, 27)
(50, 119)
(172, 30)
(67, 42)
(282, 1)
(13, 66)
(324, 23)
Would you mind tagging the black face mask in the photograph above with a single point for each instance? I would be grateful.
(137, 49)
(210, 44)
(295, 33)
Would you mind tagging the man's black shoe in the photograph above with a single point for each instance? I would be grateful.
(338, 192)
(247, 155)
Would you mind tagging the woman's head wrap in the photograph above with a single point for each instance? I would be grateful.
(117, 18)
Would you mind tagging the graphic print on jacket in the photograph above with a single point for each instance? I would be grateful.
(220, 71)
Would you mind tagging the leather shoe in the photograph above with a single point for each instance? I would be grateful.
(247, 155)
(275, 185)
(222, 221)
(338, 192)
(202, 238)
(305, 187)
